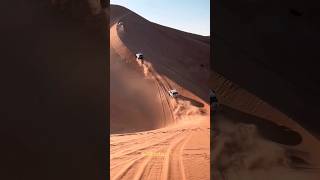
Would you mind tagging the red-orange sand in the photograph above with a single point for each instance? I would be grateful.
(155, 136)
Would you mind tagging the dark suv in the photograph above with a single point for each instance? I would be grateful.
(213, 101)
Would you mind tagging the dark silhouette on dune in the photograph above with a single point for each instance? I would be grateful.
(266, 128)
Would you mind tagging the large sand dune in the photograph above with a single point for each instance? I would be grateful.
(258, 73)
(253, 138)
(153, 135)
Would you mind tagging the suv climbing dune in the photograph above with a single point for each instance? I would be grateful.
(173, 93)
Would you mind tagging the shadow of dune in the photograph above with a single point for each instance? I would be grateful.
(266, 128)
(273, 58)
(192, 101)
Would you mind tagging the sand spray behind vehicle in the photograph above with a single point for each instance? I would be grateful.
(181, 109)
(239, 151)
(184, 109)
(178, 108)
(146, 67)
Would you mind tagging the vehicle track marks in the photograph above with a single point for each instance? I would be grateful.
(174, 160)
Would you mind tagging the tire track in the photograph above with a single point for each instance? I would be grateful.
(152, 169)
(132, 142)
(165, 90)
(126, 169)
(133, 150)
(141, 171)
(128, 157)
(161, 98)
(142, 162)
(155, 167)
(160, 84)
(174, 160)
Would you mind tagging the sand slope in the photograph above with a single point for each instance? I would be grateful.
(267, 147)
(159, 137)
(253, 139)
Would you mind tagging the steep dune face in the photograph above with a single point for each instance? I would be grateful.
(177, 147)
(131, 89)
(270, 139)
(169, 62)
(175, 54)
(135, 104)
(276, 43)
(260, 70)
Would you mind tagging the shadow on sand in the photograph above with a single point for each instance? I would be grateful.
(266, 128)
(192, 101)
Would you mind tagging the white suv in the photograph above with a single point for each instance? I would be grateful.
(173, 93)
(139, 56)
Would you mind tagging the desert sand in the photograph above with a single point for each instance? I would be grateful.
(155, 136)
(264, 76)
(253, 139)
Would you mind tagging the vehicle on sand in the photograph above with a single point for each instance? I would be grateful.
(213, 101)
(173, 93)
(139, 56)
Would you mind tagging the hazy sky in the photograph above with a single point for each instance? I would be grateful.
(186, 15)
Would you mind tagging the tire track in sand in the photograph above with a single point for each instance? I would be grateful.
(145, 145)
(164, 165)
(174, 160)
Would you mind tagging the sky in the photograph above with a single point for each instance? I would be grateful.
(186, 15)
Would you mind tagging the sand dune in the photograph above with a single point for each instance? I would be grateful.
(156, 136)
(161, 45)
(255, 140)
(273, 143)
(264, 77)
